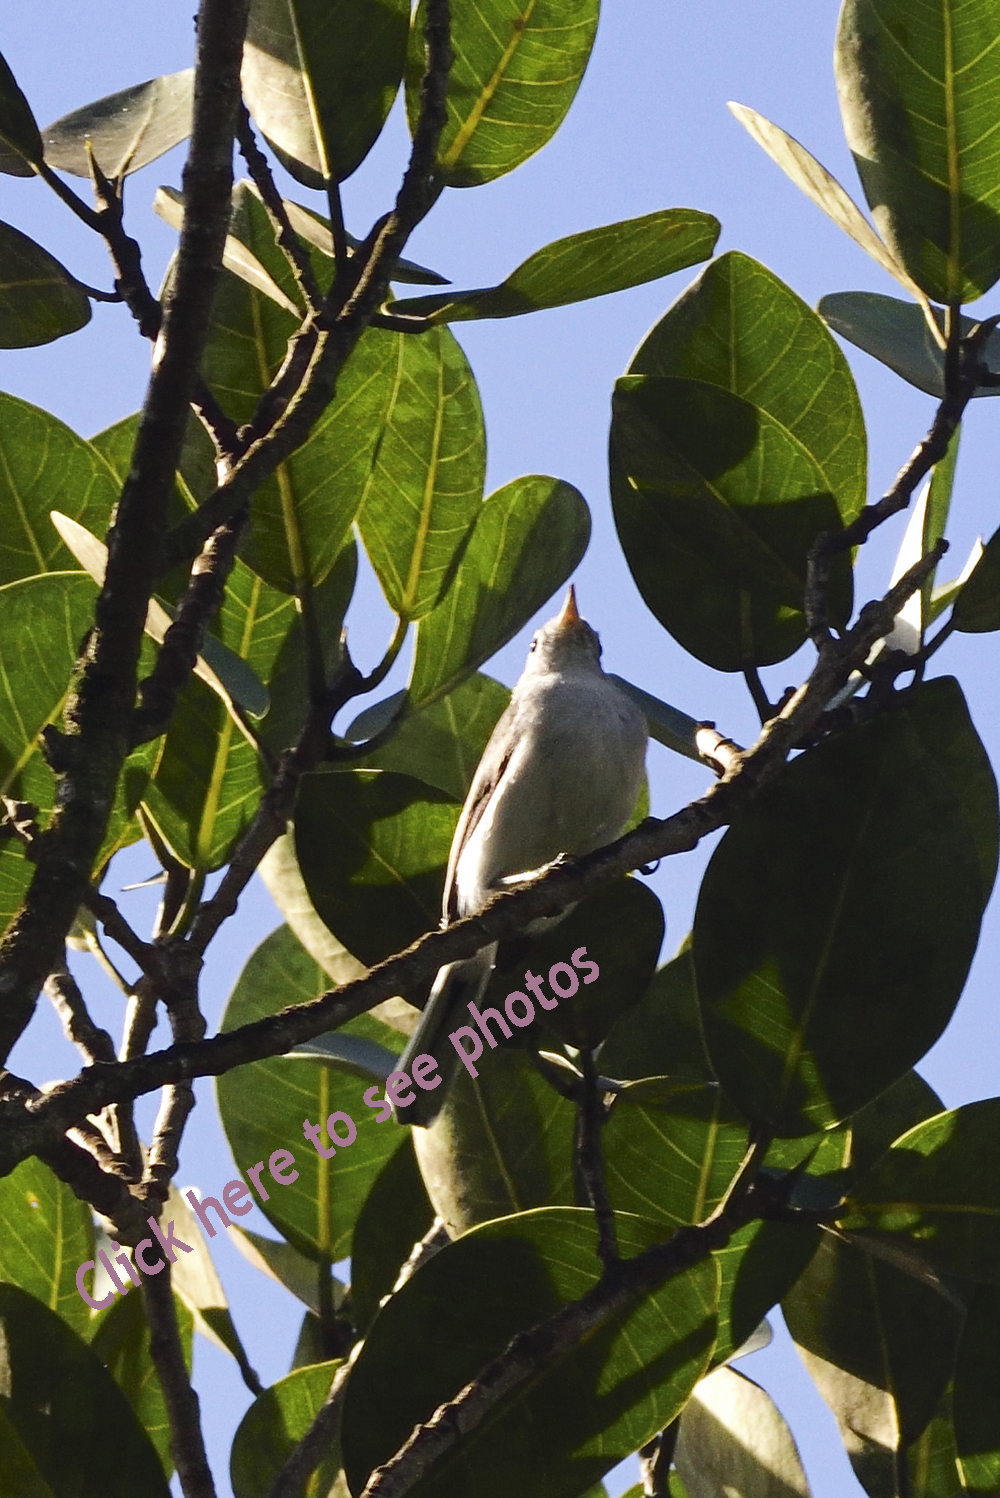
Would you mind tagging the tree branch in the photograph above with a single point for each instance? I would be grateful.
(99, 709)
(187, 1445)
(532, 1351)
(29, 1125)
(961, 388)
(308, 1454)
(307, 382)
(590, 1160)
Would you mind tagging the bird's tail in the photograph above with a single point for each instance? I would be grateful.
(456, 986)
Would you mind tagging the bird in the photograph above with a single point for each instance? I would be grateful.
(561, 774)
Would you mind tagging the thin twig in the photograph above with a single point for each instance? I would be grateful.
(590, 1161)
(99, 707)
(755, 687)
(285, 237)
(931, 450)
(654, 1462)
(184, 639)
(93, 1043)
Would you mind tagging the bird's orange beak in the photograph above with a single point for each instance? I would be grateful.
(569, 613)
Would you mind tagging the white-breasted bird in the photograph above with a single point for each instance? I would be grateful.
(561, 774)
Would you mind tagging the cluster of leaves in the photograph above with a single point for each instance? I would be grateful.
(824, 962)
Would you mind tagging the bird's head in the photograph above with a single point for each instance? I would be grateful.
(565, 641)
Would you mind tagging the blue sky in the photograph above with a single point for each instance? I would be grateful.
(649, 130)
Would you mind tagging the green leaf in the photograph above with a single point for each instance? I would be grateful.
(237, 682)
(42, 622)
(525, 541)
(733, 1440)
(236, 257)
(939, 1187)
(302, 516)
(557, 1433)
(122, 1342)
(717, 505)
(47, 1234)
(933, 1460)
(666, 724)
(425, 487)
(502, 1143)
(977, 607)
(20, 141)
(917, 99)
(207, 784)
(516, 69)
(816, 923)
(315, 230)
(273, 1426)
(825, 191)
(320, 77)
(197, 1283)
(395, 1216)
(39, 299)
(759, 1265)
(373, 847)
(897, 334)
(594, 263)
(263, 1106)
(739, 327)
(126, 130)
(976, 1395)
(879, 1346)
(286, 1266)
(441, 743)
(45, 466)
(62, 1403)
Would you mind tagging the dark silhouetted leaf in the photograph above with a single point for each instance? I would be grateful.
(939, 1187)
(373, 846)
(62, 1403)
(717, 505)
(39, 299)
(880, 1347)
(20, 141)
(827, 962)
(976, 1394)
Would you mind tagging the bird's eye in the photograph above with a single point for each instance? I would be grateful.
(533, 644)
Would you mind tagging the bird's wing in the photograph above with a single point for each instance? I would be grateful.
(490, 771)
